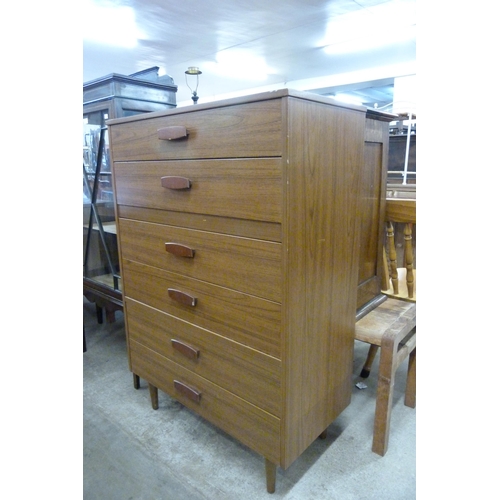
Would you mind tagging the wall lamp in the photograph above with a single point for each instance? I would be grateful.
(193, 71)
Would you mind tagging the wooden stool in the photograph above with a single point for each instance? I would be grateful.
(392, 327)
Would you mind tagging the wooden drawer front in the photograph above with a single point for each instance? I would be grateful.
(244, 189)
(243, 264)
(252, 426)
(258, 230)
(243, 371)
(250, 130)
(246, 319)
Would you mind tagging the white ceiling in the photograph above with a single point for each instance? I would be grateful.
(248, 46)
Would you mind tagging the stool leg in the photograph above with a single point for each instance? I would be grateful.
(99, 314)
(110, 316)
(411, 380)
(365, 372)
(153, 393)
(383, 406)
(270, 476)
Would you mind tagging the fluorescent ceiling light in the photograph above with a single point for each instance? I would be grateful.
(108, 24)
(370, 28)
(372, 41)
(348, 99)
(240, 64)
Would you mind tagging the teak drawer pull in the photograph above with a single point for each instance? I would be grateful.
(172, 133)
(187, 391)
(188, 351)
(175, 182)
(182, 297)
(179, 250)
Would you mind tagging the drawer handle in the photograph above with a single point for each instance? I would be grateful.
(182, 297)
(187, 391)
(172, 133)
(179, 250)
(185, 349)
(174, 182)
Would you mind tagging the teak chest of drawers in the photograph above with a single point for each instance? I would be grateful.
(239, 253)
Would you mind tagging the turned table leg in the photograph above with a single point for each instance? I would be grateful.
(270, 476)
(153, 393)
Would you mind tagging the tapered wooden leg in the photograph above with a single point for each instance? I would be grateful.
(411, 380)
(365, 372)
(270, 476)
(137, 381)
(153, 393)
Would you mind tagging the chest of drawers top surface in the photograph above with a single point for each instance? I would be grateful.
(232, 128)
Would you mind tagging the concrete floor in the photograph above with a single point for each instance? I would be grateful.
(132, 452)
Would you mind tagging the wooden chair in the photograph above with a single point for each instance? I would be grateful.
(396, 281)
(401, 218)
(391, 326)
(389, 323)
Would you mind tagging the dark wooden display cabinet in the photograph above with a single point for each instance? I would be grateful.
(403, 140)
(112, 96)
